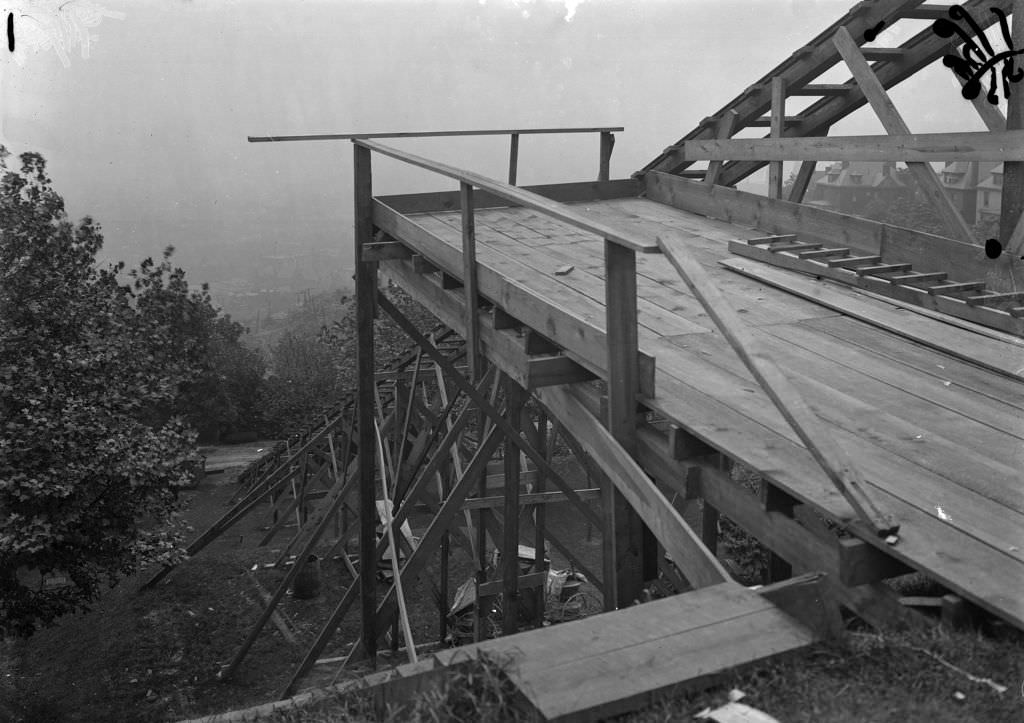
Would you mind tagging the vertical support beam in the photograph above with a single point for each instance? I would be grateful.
(513, 158)
(469, 285)
(515, 397)
(366, 292)
(893, 122)
(607, 144)
(1010, 214)
(773, 500)
(544, 447)
(723, 131)
(622, 524)
(778, 118)
(469, 281)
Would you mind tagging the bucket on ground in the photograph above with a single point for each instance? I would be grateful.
(307, 582)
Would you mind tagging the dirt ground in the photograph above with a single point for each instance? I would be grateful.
(154, 655)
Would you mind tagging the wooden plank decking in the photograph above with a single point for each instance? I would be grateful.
(939, 439)
(609, 664)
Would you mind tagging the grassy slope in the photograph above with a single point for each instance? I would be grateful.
(153, 656)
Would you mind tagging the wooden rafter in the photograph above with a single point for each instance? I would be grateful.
(775, 179)
(893, 122)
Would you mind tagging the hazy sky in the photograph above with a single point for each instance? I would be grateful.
(148, 133)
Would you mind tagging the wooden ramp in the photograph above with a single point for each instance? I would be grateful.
(612, 663)
(620, 661)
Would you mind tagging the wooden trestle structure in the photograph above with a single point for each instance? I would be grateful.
(615, 309)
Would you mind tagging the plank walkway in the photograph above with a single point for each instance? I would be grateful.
(612, 663)
(941, 440)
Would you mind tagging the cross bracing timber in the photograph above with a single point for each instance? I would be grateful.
(558, 286)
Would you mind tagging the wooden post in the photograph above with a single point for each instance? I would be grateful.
(515, 397)
(1012, 205)
(778, 123)
(366, 291)
(539, 514)
(622, 526)
(469, 285)
(513, 158)
(607, 144)
(723, 131)
(469, 281)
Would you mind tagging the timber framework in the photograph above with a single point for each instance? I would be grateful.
(666, 327)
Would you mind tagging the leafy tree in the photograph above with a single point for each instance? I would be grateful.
(92, 362)
(225, 397)
(303, 381)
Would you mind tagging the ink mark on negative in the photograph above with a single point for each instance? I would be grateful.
(977, 58)
(872, 33)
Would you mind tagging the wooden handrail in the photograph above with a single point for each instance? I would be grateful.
(518, 196)
(430, 134)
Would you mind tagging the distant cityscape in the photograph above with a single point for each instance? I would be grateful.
(851, 187)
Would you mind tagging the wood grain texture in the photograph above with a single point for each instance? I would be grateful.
(927, 180)
(923, 147)
(927, 252)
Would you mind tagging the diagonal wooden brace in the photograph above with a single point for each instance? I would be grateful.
(808, 426)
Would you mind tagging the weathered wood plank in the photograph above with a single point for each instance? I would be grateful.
(575, 192)
(922, 550)
(595, 688)
(682, 545)
(533, 498)
(429, 134)
(923, 147)
(840, 469)
(853, 271)
(778, 114)
(995, 355)
(926, 252)
(890, 453)
(552, 308)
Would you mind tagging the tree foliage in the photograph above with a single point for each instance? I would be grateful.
(92, 365)
(225, 396)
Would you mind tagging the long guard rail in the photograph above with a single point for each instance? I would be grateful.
(604, 160)
(621, 320)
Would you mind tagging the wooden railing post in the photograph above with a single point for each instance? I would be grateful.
(607, 144)
(778, 120)
(515, 398)
(1011, 218)
(513, 158)
(469, 285)
(623, 533)
(469, 279)
(366, 292)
